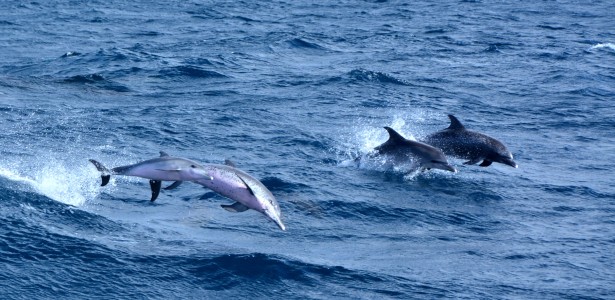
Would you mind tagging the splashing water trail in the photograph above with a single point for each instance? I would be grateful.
(73, 186)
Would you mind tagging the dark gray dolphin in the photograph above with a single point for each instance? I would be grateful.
(401, 150)
(163, 168)
(247, 191)
(459, 142)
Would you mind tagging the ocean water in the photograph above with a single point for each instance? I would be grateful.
(291, 91)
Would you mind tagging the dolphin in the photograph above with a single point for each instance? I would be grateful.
(457, 141)
(163, 168)
(247, 191)
(402, 150)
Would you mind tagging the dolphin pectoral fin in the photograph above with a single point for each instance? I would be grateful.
(486, 163)
(174, 185)
(472, 161)
(229, 163)
(235, 207)
(247, 186)
(155, 185)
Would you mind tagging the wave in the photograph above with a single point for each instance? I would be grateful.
(286, 275)
(576, 191)
(303, 44)
(253, 275)
(608, 46)
(276, 184)
(551, 27)
(189, 71)
(363, 75)
(90, 78)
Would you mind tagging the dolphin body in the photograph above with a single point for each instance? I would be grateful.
(402, 150)
(247, 191)
(457, 141)
(163, 168)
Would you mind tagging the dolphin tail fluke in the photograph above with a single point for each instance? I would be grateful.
(106, 173)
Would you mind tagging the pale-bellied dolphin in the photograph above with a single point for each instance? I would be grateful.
(457, 141)
(163, 168)
(247, 191)
(402, 150)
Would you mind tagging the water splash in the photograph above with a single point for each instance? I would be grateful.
(69, 185)
(367, 134)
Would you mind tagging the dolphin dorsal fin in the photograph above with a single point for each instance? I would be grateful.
(394, 137)
(163, 154)
(230, 163)
(455, 124)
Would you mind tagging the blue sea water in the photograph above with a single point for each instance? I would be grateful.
(292, 91)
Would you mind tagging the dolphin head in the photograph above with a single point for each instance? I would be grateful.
(270, 207)
(273, 213)
(502, 154)
(196, 171)
(261, 199)
(506, 159)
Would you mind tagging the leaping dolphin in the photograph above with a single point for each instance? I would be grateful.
(402, 150)
(163, 168)
(247, 191)
(457, 141)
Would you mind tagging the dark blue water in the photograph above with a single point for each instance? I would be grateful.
(291, 91)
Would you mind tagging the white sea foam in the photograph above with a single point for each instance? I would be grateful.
(73, 185)
(610, 46)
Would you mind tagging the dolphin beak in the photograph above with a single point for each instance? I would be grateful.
(450, 168)
(281, 225)
(275, 218)
(510, 162)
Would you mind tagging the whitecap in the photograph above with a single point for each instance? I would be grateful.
(610, 46)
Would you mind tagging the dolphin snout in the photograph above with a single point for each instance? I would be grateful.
(510, 162)
(281, 225)
(276, 218)
(450, 168)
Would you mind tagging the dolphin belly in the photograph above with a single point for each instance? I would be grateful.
(226, 183)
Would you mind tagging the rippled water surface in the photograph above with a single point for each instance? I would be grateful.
(292, 92)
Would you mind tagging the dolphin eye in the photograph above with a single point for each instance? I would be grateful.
(193, 166)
